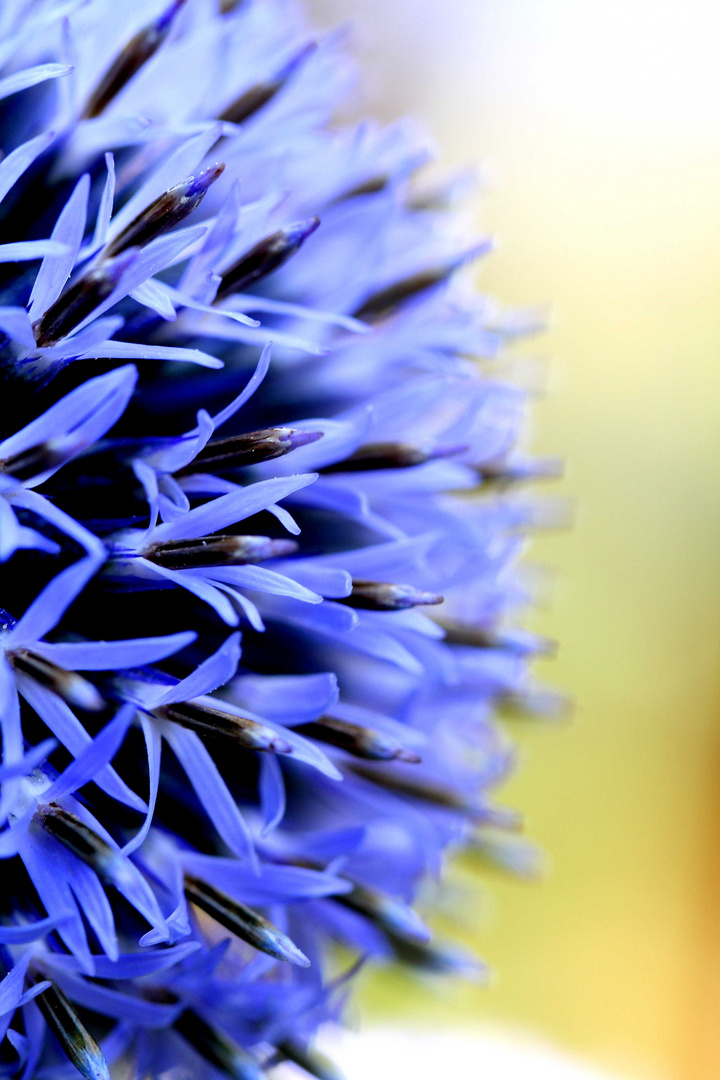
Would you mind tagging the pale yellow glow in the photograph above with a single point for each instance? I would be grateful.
(598, 125)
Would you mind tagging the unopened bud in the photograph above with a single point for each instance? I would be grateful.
(384, 596)
(76, 1041)
(249, 734)
(372, 186)
(136, 53)
(388, 455)
(360, 741)
(266, 256)
(79, 300)
(513, 640)
(239, 451)
(252, 100)
(79, 838)
(309, 1060)
(385, 301)
(40, 458)
(438, 959)
(244, 922)
(218, 551)
(71, 687)
(389, 914)
(216, 1048)
(437, 795)
(165, 212)
(503, 474)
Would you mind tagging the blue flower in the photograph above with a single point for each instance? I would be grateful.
(254, 632)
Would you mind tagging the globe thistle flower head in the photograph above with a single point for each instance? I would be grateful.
(253, 631)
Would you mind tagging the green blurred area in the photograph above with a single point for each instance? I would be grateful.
(600, 127)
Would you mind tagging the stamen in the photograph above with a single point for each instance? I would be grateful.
(216, 1048)
(244, 922)
(74, 1038)
(136, 53)
(309, 1060)
(389, 455)
(266, 256)
(392, 916)
(238, 451)
(71, 687)
(384, 596)
(218, 551)
(165, 212)
(248, 734)
(80, 300)
(361, 741)
(253, 99)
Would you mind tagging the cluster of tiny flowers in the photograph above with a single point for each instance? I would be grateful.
(254, 632)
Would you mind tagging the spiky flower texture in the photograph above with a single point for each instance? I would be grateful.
(190, 820)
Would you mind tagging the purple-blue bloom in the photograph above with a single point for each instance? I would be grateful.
(253, 632)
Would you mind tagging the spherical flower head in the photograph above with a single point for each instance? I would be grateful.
(253, 631)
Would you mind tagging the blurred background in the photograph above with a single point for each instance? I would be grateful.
(597, 129)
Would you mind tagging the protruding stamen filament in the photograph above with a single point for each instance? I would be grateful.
(71, 687)
(259, 95)
(249, 734)
(388, 455)
(384, 596)
(435, 795)
(390, 915)
(309, 1060)
(136, 53)
(80, 839)
(266, 256)
(71, 1033)
(244, 922)
(238, 451)
(218, 551)
(79, 300)
(216, 1048)
(165, 212)
(360, 741)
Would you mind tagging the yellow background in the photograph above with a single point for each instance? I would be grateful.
(599, 128)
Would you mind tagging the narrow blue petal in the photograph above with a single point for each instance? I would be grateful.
(271, 786)
(27, 250)
(23, 80)
(229, 509)
(210, 789)
(114, 655)
(68, 730)
(28, 932)
(286, 699)
(56, 269)
(14, 165)
(93, 758)
(208, 676)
